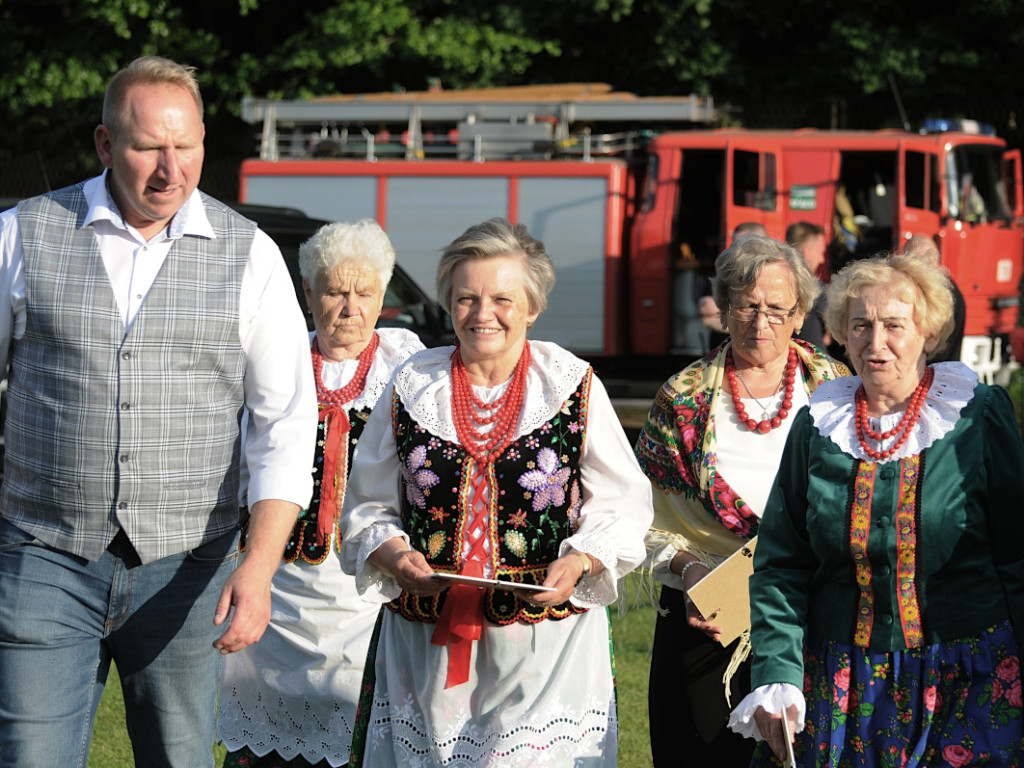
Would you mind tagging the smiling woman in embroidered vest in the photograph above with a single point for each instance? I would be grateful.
(888, 588)
(291, 698)
(499, 458)
(711, 446)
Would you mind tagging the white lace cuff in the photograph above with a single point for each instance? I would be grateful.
(603, 588)
(370, 578)
(773, 698)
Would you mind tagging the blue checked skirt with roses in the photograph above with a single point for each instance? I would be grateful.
(953, 704)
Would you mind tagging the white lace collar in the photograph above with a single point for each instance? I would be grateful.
(833, 411)
(424, 385)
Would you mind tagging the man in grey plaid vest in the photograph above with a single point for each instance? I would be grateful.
(140, 322)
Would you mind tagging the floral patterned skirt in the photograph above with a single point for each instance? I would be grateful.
(952, 704)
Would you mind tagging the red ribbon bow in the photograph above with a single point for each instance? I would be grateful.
(460, 624)
(332, 482)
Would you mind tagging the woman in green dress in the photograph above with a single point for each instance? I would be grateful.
(887, 601)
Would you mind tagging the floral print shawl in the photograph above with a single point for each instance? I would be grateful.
(676, 449)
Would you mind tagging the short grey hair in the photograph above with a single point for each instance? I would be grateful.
(739, 266)
(146, 70)
(362, 242)
(498, 237)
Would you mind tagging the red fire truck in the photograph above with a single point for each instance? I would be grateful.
(634, 197)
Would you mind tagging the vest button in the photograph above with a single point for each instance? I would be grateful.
(123, 505)
(124, 458)
(125, 406)
(126, 355)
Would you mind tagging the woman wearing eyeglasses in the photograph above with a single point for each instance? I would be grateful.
(711, 447)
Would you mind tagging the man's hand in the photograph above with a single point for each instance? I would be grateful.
(247, 590)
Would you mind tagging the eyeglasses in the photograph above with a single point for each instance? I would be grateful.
(773, 316)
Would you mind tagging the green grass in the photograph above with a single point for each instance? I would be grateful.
(632, 635)
(111, 747)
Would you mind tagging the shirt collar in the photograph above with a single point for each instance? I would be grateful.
(189, 220)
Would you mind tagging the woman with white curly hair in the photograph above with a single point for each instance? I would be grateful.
(290, 699)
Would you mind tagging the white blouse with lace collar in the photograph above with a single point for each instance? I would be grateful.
(426, 391)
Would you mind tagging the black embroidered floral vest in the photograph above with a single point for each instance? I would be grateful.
(535, 502)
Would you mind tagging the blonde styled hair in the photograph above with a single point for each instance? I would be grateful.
(146, 70)
(908, 278)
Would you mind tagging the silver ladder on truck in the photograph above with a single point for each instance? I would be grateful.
(580, 120)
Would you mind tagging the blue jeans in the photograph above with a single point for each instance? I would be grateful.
(63, 619)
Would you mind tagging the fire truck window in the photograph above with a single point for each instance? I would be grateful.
(869, 179)
(650, 189)
(935, 185)
(768, 196)
(975, 187)
(698, 237)
(915, 180)
(698, 220)
(1009, 182)
(745, 179)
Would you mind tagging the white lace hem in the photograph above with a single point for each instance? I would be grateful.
(833, 410)
(307, 736)
(400, 732)
(774, 698)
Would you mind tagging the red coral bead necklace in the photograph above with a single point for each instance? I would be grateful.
(901, 431)
(352, 390)
(766, 425)
(470, 412)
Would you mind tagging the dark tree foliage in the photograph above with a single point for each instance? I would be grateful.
(787, 63)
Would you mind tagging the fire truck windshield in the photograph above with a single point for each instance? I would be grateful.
(975, 191)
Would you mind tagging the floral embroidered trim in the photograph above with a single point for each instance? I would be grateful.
(860, 526)
(906, 549)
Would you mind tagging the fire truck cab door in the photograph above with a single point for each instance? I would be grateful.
(753, 176)
(918, 193)
(1012, 179)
